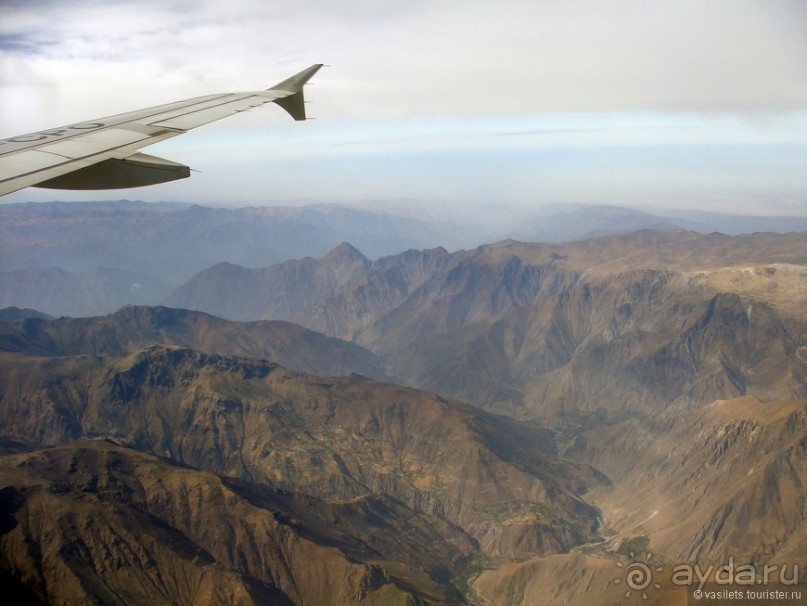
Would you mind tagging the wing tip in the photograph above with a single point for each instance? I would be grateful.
(294, 102)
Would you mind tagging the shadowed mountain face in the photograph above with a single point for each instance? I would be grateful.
(10, 314)
(292, 289)
(539, 331)
(132, 328)
(648, 340)
(337, 438)
(94, 521)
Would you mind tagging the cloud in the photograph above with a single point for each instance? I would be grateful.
(19, 43)
(471, 57)
(438, 79)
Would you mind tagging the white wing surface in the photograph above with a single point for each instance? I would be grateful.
(102, 154)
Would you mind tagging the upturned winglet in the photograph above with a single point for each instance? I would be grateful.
(294, 103)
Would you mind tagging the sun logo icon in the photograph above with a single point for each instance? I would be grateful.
(638, 576)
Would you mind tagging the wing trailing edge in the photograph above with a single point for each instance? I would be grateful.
(135, 171)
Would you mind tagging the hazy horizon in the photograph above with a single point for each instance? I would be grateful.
(478, 210)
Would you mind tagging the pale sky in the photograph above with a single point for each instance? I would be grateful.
(685, 103)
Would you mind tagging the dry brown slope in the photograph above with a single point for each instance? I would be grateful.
(392, 302)
(96, 522)
(726, 480)
(630, 343)
(334, 438)
(134, 327)
(722, 485)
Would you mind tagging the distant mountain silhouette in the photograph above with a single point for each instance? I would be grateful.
(173, 242)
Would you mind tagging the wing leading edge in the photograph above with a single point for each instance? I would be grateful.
(102, 154)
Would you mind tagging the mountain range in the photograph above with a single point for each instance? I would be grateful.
(509, 424)
(96, 522)
(86, 259)
(448, 480)
(514, 324)
(621, 337)
(134, 327)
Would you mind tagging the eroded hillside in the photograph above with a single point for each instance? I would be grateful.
(674, 363)
(92, 521)
(669, 367)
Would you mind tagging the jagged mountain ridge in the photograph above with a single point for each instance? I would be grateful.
(133, 327)
(86, 259)
(523, 324)
(118, 250)
(624, 345)
(644, 339)
(309, 292)
(337, 438)
(621, 343)
(291, 289)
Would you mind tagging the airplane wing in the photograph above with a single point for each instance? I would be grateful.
(102, 154)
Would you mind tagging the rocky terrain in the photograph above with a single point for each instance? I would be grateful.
(336, 438)
(625, 397)
(723, 480)
(94, 522)
(657, 356)
(134, 327)
(326, 456)
(537, 330)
